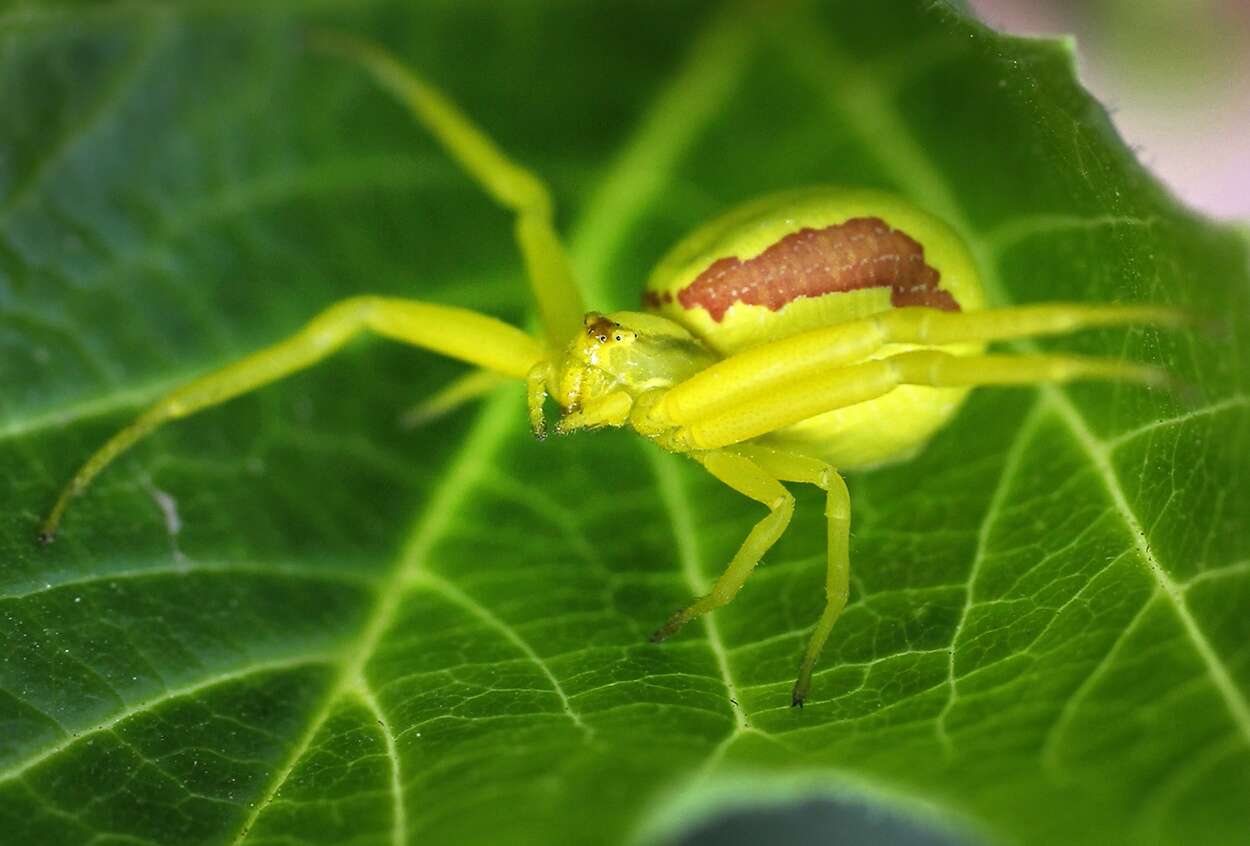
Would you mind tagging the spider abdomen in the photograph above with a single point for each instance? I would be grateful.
(860, 253)
(800, 260)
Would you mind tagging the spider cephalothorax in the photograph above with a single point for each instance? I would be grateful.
(616, 359)
(806, 331)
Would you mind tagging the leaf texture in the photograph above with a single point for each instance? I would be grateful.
(288, 621)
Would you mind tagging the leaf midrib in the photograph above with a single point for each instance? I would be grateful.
(1238, 707)
(667, 128)
(661, 140)
(475, 452)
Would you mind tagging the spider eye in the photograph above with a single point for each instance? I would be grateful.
(618, 336)
(601, 329)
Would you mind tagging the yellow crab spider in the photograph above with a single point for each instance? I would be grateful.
(810, 330)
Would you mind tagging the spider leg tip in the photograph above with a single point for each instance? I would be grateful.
(669, 629)
(44, 537)
(663, 633)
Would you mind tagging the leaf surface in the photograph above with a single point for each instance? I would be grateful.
(288, 621)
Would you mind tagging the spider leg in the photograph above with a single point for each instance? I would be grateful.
(758, 369)
(609, 410)
(536, 397)
(509, 184)
(810, 394)
(749, 479)
(456, 393)
(455, 332)
(790, 467)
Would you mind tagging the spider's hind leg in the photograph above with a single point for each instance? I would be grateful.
(800, 468)
(749, 479)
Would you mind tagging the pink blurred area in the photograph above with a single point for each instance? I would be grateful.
(1175, 75)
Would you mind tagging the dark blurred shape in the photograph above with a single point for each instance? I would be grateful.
(841, 821)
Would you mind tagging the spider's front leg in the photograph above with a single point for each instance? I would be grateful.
(454, 332)
(809, 395)
(507, 182)
(510, 184)
(759, 370)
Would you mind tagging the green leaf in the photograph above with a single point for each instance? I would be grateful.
(288, 621)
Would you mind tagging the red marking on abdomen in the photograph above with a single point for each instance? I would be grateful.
(863, 252)
(653, 300)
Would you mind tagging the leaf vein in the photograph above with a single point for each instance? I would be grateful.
(181, 569)
(1226, 404)
(641, 169)
(1234, 699)
(123, 80)
(399, 817)
(677, 504)
(1011, 464)
(169, 695)
(488, 433)
(475, 452)
(441, 586)
(877, 119)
